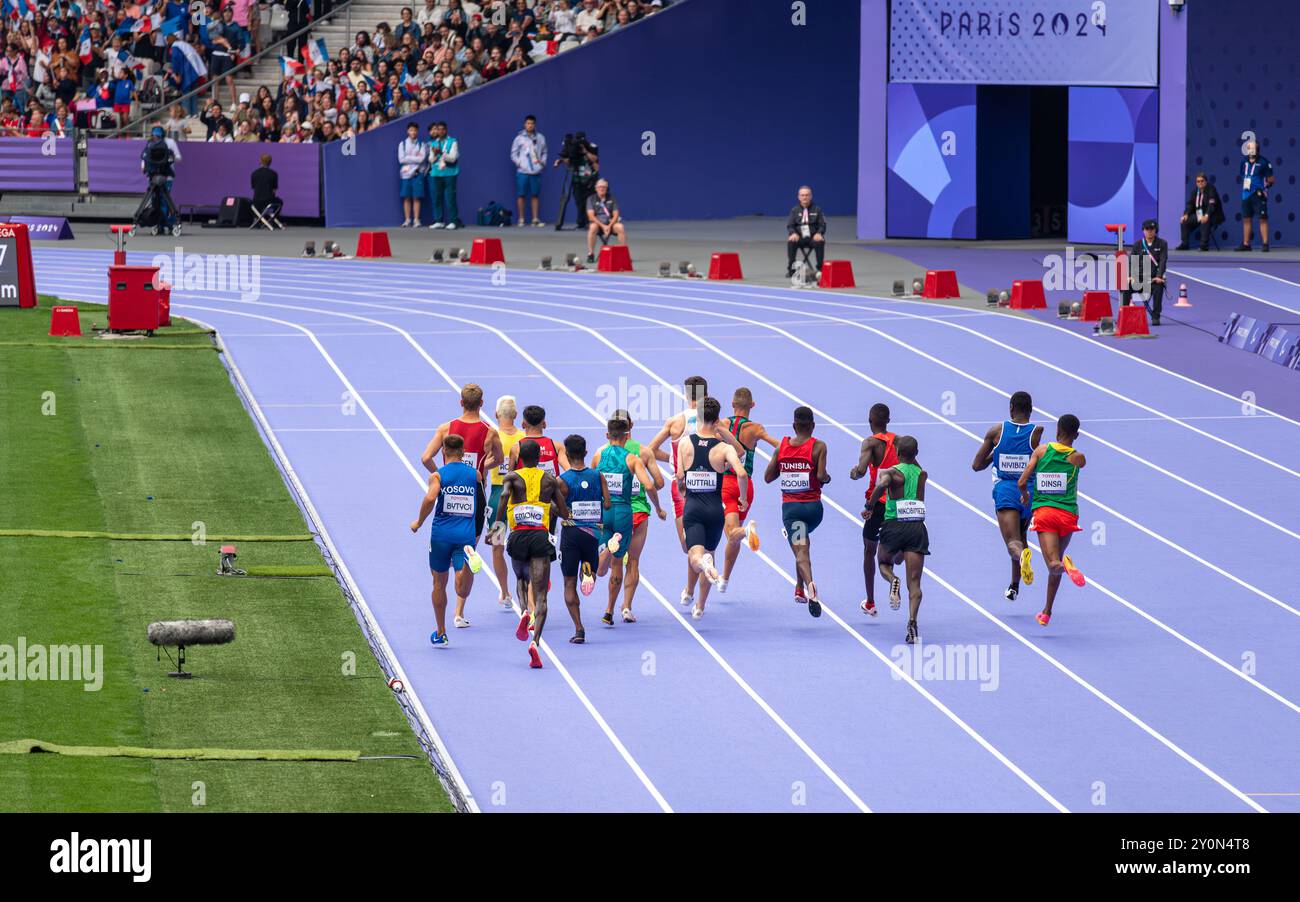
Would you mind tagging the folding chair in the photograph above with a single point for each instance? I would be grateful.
(266, 217)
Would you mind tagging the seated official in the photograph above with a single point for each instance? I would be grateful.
(807, 228)
(1146, 267)
(265, 181)
(1203, 213)
(603, 218)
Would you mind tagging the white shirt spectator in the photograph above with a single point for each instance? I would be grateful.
(528, 152)
(433, 11)
(563, 20)
(590, 15)
(412, 155)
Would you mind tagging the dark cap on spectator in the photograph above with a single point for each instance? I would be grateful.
(1151, 224)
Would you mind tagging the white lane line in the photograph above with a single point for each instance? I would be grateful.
(1269, 275)
(1237, 291)
(563, 671)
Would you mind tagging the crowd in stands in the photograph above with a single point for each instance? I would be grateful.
(93, 63)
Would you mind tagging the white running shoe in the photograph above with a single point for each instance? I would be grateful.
(461, 623)
(687, 599)
(435, 225)
(451, 227)
(415, 224)
(697, 612)
(406, 223)
(722, 586)
(506, 603)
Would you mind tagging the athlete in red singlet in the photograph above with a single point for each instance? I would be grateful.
(552, 459)
(877, 454)
(800, 464)
(748, 433)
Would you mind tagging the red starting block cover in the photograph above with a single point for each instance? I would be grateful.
(486, 251)
(1132, 321)
(837, 274)
(64, 321)
(725, 266)
(1027, 294)
(1096, 304)
(614, 258)
(373, 244)
(940, 283)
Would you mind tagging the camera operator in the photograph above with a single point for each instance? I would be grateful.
(583, 159)
(156, 162)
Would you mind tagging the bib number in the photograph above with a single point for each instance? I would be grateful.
(528, 515)
(471, 458)
(1050, 483)
(458, 505)
(909, 510)
(1013, 463)
(636, 486)
(701, 480)
(614, 482)
(586, 511)
(796, 481)
(547, 467)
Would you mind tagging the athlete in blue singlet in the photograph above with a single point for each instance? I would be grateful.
(582, 541)
(624, 475)
(453, 499)
(1007, 448)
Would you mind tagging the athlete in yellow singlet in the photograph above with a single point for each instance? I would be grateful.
(510, 435)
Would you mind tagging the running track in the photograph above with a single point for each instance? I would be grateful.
(1169, 684)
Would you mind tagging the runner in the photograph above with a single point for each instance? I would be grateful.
(903, 536)
(482, 451)
(529, 494)
(748, 434)
(800, 464)
(552, 460)
(877, 454)
(622, 472)
(1054, 468)
(453, 500)
(509, 435)
(582, 541)
(1007, 448)
(702, 457)
(640, 513)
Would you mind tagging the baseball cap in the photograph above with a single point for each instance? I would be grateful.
(1150, 224)
(244, 98)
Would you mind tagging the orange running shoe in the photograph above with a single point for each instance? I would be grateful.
(1043, 618)
(1075, 574)
(534, 659)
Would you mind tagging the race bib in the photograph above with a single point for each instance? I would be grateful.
(458, 505)
(1050, 483)
(636, 486)
(1013, 463)
(528, 515)
(909, 510)
(796, 481)
(586, 511)
(547, 467)
(614, 482)
(701, 480)
(471, 458)
(504, 467)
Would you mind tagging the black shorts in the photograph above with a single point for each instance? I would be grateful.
(1255, 205)
(526, 544)
(904, 536)
(577, 547)
(702, 521)
(871, 526)
(220, 64)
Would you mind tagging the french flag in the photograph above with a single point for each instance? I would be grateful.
(19, 9)
(193, 68)
(172, 26)
(147, 24)
(290, 67)
(314, 53)
(84, 50)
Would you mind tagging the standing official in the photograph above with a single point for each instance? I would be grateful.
(1256, 179)
(1147, 262)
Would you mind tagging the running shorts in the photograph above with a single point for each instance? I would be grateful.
(1006, 497)
(871, 527)
(445, 555)
(904, 536)
(638, 517)
(702, 522)
(731, 496)
(800, 518)
(526, 544)
(1053, 519)
(679, 504)
(578, 546)
(494, 502)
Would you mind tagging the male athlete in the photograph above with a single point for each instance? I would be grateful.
(640, 513)
(800, 464)
(453, 499)
(748, 434)
(482, 451)
(1007, 448)
(702, 457)
(529, 494)
(1054, 469)
(623, 472)
(552, 459)
(509, 435)
(877, 453)
(903, 536)
(582, 541)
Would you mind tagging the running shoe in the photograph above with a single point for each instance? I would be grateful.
(751, 535)
(687, 599)
(451, 227)
(607, 618)
(437, 639)
(614, 542)
(1075, 574)
(722, 586)
(539, 224)
(912, 634)
(475, 562)
(406, 223)
(799, 597)
(588, 579)
(506, 603)
(1026, 566)
(461, 623)
(1043, 618)
(697, 612)
(534, 659)
(814, 603)
(524, 625)
(579, 638)
(435, 225)
(1012, 591)
(895, 593)
(868, 607)
(628, 616)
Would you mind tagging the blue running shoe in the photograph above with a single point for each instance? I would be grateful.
(437, 639)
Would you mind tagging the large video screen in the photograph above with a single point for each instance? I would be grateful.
(1034, 42)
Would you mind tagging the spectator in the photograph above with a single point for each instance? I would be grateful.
(563, 21)
(228, 40)
(495, 67)
(175, 126)
(807, 228)
(1256, 179)
(431, 14)
(592, 15)
(444, 169)
(407, 25)
(413, 167)
(223, 135)
(1203, 213)
(13, 77)
(604, 219)
(244, 132)
(528, 151)
(265, 182)
(214, 119)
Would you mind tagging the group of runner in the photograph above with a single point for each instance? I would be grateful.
(542, 500)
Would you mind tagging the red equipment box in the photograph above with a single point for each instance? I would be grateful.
(132, 298)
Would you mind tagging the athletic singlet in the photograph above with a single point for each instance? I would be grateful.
(616, 473)
(1056, 480)
(546, 456)
(531, 513)
(702, 481)
(640, 501)
(1012, 452)
(798, 479)
(453, 512)
(737, 424)
(585, 499)
(507, 442)
(475, 436)
(690, 417)
(907, 507)
(889, 458)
